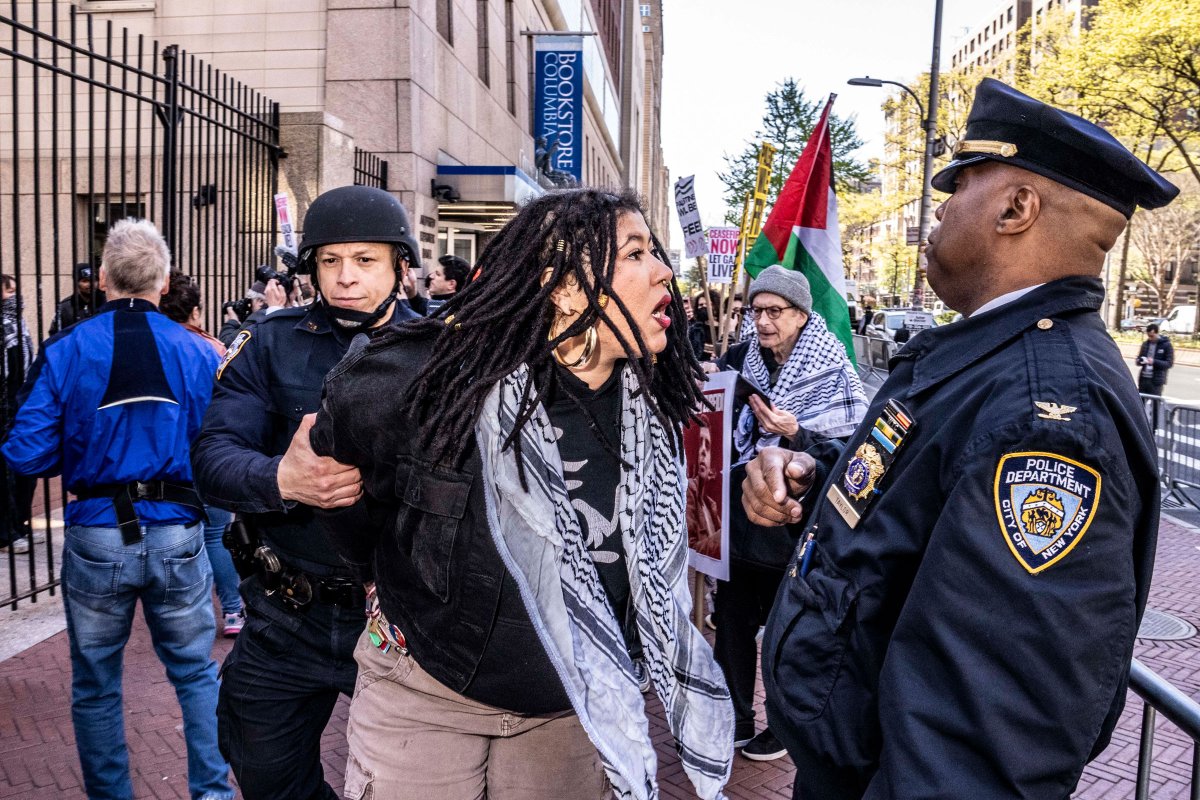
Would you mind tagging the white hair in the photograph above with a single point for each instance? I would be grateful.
(135, 258)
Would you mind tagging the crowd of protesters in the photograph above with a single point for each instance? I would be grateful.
(465, 509)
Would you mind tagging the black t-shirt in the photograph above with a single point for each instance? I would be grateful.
(593, 474)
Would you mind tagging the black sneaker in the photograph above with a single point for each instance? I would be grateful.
(764, 747)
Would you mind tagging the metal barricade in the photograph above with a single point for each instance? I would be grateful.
(1163, 698)
(872, 354)
(1179, 450)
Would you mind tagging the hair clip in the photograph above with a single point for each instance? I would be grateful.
(561, 246)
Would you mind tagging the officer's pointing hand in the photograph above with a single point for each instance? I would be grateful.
(774, 479)
(316, 480)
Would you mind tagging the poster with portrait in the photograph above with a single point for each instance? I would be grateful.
(707, 449)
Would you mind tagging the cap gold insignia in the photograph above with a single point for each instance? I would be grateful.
(987, 147)
(1054, 411)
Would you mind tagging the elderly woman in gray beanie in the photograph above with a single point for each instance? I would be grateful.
(816, 396)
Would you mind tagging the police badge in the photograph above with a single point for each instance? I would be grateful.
(1045, 503)
(863, 470)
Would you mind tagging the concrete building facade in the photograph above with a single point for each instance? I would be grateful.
(440, 89)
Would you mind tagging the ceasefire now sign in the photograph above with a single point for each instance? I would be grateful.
(722, 253)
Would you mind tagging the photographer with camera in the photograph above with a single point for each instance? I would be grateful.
(304, 610)
(238, 311)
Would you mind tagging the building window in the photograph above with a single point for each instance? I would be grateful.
(510, 55)
(445, 24)
(645, 29)
(645, 9)
(1010, 14)
(481, 34)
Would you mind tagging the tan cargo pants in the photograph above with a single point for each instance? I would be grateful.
(411, 738)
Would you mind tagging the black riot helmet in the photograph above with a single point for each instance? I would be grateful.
(357, 214)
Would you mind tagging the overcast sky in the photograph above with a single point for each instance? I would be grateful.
(721, 58)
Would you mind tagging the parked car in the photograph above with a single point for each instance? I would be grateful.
(1140, 323)
(889, 322)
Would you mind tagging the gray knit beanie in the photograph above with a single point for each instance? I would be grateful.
(789, 284)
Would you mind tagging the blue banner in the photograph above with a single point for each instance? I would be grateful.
(558, 108)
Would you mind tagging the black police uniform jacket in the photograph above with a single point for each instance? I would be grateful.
(421, 533)
(270, 378)
(942, 648)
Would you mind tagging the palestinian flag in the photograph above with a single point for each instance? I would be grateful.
(802, 232)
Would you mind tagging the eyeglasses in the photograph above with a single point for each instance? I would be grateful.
(772, 313)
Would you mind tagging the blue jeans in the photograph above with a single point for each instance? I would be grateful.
(225, 577)
(103, 579)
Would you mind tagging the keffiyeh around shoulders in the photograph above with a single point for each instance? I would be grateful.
(818, 385)
(538, 536)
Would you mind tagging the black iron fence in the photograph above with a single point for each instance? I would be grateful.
(369, 169)
(97, 124)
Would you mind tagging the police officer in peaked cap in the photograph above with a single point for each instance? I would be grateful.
(304, 608)
(959, 618)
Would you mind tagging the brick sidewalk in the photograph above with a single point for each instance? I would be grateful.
(38, 762)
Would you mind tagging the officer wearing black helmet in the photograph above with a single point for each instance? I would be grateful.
(304, 612)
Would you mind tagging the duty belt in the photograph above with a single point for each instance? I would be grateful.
(123, 496)
(297, 588)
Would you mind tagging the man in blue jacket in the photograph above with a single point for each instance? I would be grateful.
(113, 403)
(959, 618)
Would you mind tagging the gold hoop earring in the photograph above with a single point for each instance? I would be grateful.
(589, 345)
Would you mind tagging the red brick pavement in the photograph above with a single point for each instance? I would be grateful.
(38, 762)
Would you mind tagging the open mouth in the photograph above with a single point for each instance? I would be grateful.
(660, 311)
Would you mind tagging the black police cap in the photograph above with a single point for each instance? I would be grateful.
(1010, 127)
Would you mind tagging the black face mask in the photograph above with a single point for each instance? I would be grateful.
(701, 315)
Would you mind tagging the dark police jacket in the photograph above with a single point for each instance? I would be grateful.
(75, 308)
(971, 636)
(1162, 353)
(270, 378)
(422, 532)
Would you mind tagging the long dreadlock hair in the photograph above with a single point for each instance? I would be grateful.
(504, 316)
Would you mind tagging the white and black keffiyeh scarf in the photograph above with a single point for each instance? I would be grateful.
(539, 538)
(818, 385)
(16, 334)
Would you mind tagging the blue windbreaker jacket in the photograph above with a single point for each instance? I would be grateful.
(99, 419)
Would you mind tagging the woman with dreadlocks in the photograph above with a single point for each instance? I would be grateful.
(522, 524)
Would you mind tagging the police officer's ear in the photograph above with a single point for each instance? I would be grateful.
(1023, 207)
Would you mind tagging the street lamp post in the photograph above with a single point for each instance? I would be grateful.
(929, 122)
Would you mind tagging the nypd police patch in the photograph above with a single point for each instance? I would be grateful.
(1045, 503)
(235, 347)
